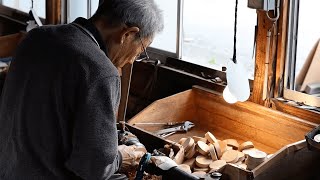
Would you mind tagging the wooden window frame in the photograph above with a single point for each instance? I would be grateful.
(278, 55)
(54, 10)
(289, 82)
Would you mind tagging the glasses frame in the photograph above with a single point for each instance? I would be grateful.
(145, 51)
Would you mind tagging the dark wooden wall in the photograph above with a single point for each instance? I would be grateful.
(8, 26)
(150, 83)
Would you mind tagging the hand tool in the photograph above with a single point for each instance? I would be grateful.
(169, 131)
(158, 124)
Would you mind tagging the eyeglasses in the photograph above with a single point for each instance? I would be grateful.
(145, 51)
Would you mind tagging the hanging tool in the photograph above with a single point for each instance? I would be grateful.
(169, 131)
(158, 124)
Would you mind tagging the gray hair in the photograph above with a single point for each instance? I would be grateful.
(143, 14)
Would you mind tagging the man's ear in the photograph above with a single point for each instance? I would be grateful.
(129, 34)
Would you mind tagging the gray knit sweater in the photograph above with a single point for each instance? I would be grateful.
(57, 111)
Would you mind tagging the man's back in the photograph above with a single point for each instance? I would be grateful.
(52, 113)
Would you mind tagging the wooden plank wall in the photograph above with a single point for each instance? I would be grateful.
(249, 121)
(174, 108)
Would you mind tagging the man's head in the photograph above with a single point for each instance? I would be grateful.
(126, 26)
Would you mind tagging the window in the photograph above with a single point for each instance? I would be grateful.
(81, 8)
(197, 31)
(25, 5)
(167, 40)
(302, 80)
(308, 31)
(207, 30)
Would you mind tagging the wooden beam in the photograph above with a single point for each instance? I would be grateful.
(264, 25)
(308, 115)
(281, 52)
(53, 11)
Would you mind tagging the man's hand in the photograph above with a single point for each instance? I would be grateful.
(163, 162)
(131, 156)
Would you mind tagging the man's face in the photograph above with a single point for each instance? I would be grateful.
(131, 51)
(129, 48)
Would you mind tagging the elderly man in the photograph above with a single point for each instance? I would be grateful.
(62, 91)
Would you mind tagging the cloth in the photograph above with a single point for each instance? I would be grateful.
(57, 111)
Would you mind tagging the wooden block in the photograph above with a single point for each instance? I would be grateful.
(187, 145)
(185, 168)
(199, 174)
(233, 143)
(255, 158)
(190, 162)
(246, 145)
(212, 153)
(198, 169)
(197, 138)
(202, 161)
(230, 156)
(182, 140)
(248, 151)
(216, 165)
(179, 157)
(204, 140)
(229, 148)
(203, 148)
(218, 149)
(317, 138)
(210, 137)
(192, 151)
(223, 146)
(241, 156)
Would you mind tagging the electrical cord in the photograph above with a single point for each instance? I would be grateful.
(234, 58)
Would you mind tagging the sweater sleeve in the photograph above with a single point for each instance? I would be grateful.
(95, 145)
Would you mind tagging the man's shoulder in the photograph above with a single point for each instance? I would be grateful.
(75, 47)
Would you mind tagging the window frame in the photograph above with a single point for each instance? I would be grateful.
(178, 53)
(179, 43)
(17, 15)
(67, 2)
(289, 91)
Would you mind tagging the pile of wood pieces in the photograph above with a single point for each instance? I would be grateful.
(208, 154)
